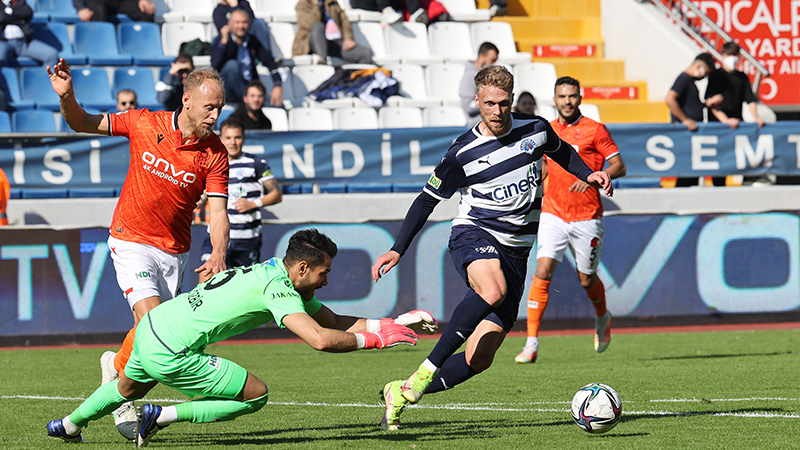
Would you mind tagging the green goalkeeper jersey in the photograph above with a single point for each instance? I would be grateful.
(230, 303)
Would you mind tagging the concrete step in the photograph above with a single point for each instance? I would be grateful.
(553, 27)
(621, 90)
(597, 70)
(567, 48)
(552, 8)
(631, 111)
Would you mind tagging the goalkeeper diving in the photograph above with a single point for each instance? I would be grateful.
(170, 345)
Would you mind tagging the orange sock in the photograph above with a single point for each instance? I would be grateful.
(597, 294)
(124, 353)
(537, 303)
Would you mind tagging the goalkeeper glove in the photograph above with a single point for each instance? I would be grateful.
(388, 336)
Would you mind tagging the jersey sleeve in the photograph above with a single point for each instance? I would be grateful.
(603, 142)
(263, 170)
(281, 299)
(123, 123)
(217, 178)
(447, 178)
(549, 141)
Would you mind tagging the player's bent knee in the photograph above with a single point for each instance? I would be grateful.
(256, 404)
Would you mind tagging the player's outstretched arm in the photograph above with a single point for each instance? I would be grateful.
(388, 259)
(337, 341)
(75, 116)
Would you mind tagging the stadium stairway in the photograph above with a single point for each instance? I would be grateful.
(567, 34)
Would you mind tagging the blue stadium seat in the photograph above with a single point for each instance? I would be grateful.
(33, 121)
(409, 186)
(92, 192)
(92, 88)
(224, 114)
(333, 188)
(369, 187)
(5, 122)
(56, 11)
(99, 41)
(56, 34)
(139, 80)
(143, 41)
(16, 193)
(9, 82)
(297, 188)
(35, 86)
(45, 193)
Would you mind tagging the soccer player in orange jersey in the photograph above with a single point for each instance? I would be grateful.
(174, 157)
(572, 216)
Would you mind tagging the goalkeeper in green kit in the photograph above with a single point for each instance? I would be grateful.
(171, 339)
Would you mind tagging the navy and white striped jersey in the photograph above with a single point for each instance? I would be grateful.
(499, 178)
(246, 180)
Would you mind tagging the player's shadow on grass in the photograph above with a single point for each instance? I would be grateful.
(630, 417)
(732, 355)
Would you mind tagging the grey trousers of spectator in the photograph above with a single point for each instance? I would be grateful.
(324, 48)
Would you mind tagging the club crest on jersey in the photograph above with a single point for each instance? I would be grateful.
(527, 145)
(434, 181)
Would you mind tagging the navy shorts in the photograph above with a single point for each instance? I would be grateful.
(235, 257)
(470, 243)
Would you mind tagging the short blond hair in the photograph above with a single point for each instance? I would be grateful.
(495, 75)
(199, 76)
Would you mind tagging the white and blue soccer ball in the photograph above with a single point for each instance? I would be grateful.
(596, 408)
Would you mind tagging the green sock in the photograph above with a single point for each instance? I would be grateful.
(213, 409)
(102, 402)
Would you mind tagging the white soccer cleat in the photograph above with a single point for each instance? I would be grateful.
(125, 420)
(602, 332)
(528, 354)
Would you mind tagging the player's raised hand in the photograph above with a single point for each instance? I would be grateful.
(417, 320)
(389, 336)
(388, 259)
(601, 179)
(60, 78)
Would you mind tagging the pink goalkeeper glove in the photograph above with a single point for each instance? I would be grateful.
(388, 336)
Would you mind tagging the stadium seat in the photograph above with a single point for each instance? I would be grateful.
(546, 111)
(359, 15)
(5, 122)
(35, 86)
(224, 114)
(190, 11)
(57, 35)
(139, 80)
(538, 78)
(465, 11)
(175, 33)
(33, 121)
(57, 11)
(501, 35)
(591, 111)
(9, 82)
(281, 38)
(143, 41)
(451, 41)
(98, 40)
(310, 119)
(444, 116)
(409, 41)
(278, 117)
(443, 82)
(307, 78)
(355, 119)
(412, 87)
(276, 10)
(371, 35)
(400, 117)
(92, 89)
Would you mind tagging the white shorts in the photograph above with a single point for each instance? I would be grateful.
(145, 271)
(584, 239)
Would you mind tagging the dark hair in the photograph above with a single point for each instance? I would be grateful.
(526, 94)
(730, 48)
(708, 60)
(183, 57)
(256, 84)
(486, 47)
(568, 80)
(232, 122)
(310, 246)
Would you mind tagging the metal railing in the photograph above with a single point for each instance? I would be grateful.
(707, 34)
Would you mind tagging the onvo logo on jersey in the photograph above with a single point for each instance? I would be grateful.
(514, 189)
(162, 168)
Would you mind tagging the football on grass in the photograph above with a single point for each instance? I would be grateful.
(596, 408)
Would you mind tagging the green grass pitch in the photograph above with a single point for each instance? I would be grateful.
(733, 389)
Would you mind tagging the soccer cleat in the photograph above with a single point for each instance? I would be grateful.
(395, 403)
(602, 332)
(146, 424)
(527, 355)
(415, 387)
(55, 428)
(125, 420)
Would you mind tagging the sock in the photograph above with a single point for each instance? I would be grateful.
(532, 341)
(454, 372)
(169, 414)
(537, 303)
(70, 427)
(597, 294)
(101, 403)
(214, 409)
(124, 353)
(467, 315)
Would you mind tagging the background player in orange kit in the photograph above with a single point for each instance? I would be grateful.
(174, 157)
(572, 216)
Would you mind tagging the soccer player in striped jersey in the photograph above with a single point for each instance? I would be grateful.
(496, 167)
(251, 186)
(572, 217)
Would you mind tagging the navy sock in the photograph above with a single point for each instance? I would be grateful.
(467, 315)
(454, 372)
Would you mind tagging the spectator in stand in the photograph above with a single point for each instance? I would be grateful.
(16, 38)
(258, 27)
(323, 29)
(735, 88)
(487, 55)
(170, 88)
(392, 10)
(126, 99)
(103, 10)
(249, 111)
(683, 99)
(234, 53)
(526, 104)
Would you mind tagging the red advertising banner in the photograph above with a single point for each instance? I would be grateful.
(611, 92)
(768, 30)
(543, 51)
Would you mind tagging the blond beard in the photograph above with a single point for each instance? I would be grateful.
(200, 132)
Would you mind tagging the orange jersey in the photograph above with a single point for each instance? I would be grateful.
(5, 194)
(595, 146)
(165, 179)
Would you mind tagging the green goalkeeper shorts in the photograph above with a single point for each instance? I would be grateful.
(190, 372)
